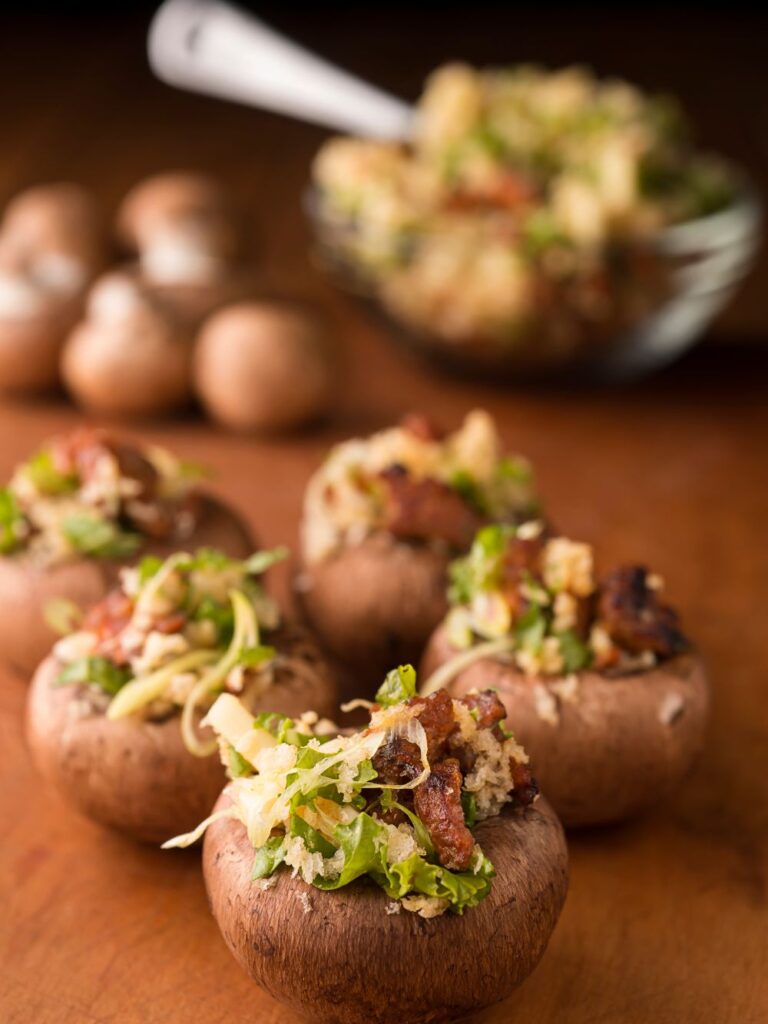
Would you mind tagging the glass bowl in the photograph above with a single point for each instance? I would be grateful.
(638, 308)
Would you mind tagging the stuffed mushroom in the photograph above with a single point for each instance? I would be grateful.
(361, 877)
(599, 681)
(77, 510)
(383, 516)
(114, 713)
(51, 247)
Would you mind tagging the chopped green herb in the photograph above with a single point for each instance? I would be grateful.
(149, 566)
(399, 685)
(575, 652)
(263, 560)
(268, 857)
(92, 535)
(238, 765)
(469, 806)
(251, 657)
(479, 570)
(11, 522)
(42, 472)
(515, 467)
(313, 840)
(221, 615)
(463, 482)
(94, 671)
(531, 628)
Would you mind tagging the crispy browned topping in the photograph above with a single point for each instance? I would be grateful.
(426, 510)
(633, 616)
(437, 802)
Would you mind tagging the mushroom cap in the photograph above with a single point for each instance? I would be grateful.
(59, 218)
(621, 744)
(303, 681)
(263, 366)
(33, 328)
(177, 198)
(347, 961)
(374, 604)
(26, 587)
(136, 775)
(133, 775)
(130, 356)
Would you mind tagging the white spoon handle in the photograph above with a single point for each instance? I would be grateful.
(213, 48)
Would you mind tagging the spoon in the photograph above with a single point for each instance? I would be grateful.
(214, 48)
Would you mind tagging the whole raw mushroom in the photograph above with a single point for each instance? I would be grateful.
(185, 232)
(51, 246)
(263, 366)
(130, 357)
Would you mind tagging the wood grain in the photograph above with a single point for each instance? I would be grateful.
(667, 917)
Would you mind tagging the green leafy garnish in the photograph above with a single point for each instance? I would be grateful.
(92, 535)
(42, 472)
(531, 628)
(251, 657)
(365, 852)
(575, 652)
(479, 570)
(11, 522)
(463, 482)
(95, 671)
(515, 467)
(399, 685)
(238, 766)
(263, 560)
(268, 857)
(221, 615)
(281, 727)
(462, 889)
(148, 567)
(469, 806)
(313, 840)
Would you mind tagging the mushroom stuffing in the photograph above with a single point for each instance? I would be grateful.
(81, 506)
(142, 667)
(599, 680)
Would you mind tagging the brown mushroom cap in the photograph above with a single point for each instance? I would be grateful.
(60, 218)
(30, 347)
(263, 366)
(622, 744)
(374, 604)
(347, 961)
(304, 680)
(178, 197)
(130, 357)
(136, 775)
(51, 245)
(26, 588)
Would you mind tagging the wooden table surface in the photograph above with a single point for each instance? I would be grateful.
(667, 917)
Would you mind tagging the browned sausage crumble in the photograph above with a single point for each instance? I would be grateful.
(541, 592)
(441, 801)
